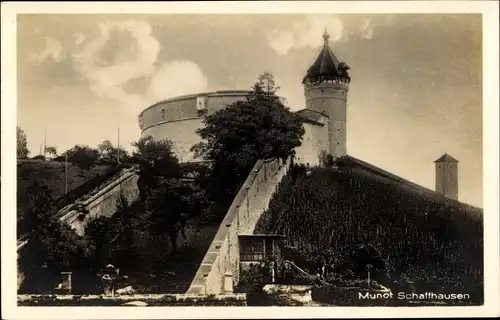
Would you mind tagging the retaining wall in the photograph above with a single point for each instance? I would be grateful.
(103, 201)
(247, 207)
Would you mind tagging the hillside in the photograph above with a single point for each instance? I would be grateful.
(52, 174)
(424, 241)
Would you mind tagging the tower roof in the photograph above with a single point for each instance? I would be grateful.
(327, 64)
(446, 158)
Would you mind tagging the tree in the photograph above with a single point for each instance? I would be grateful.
(107, 149)
(98, 234)
(366, 257)
(51, 247)
(266, 88)
(51, 150)
(83, 156)
(234, 138)
(22, 144)
(156, 161)
(326, 159)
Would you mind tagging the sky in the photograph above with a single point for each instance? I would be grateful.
(416, 89)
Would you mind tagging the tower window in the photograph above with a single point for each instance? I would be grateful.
(162, 113)
(322, 91)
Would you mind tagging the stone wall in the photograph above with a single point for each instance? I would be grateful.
(222, 257)
(177, 119)
(314, 141)
(103, 201)
(182, 133)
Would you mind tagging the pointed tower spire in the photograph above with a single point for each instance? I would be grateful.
(326, 36)
(327, 66)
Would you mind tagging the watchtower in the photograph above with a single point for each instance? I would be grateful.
(325, 88)
(447, 176)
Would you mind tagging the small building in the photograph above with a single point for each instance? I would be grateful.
(257, 248)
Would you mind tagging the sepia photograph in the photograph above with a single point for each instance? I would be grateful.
(193, 158)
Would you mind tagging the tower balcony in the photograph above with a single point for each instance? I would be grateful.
(344, 80)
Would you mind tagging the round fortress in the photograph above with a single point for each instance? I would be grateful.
(178, 118)
(326, 85)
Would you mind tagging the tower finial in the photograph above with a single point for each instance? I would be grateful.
(326, 36)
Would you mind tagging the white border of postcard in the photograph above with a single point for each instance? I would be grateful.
(489, 11)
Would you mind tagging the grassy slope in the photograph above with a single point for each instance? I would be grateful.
(436, 243)
(51, 173)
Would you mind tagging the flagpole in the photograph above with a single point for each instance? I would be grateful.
(66, 173)
(45, 144)
(118, 145)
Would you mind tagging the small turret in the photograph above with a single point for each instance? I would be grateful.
(447, 176)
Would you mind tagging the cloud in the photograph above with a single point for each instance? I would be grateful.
(126, 51)
(306, 34)
(107, 77)
(281, 41)
(176, 78)
(366, 29)
(53, 50)
(79, 38)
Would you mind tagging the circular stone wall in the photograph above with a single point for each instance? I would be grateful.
(177, 119)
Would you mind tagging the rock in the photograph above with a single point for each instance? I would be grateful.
(126, 290)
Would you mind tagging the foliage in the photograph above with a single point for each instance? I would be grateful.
(22, 144)
(53, 174)
(156, 161)
(353, 218)
(83, 156)
(173, 204)
(98, 234)
(254, 278)
(235, 137)
(108, 151)
(51, 150)
(326, 159)
(51, 247)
